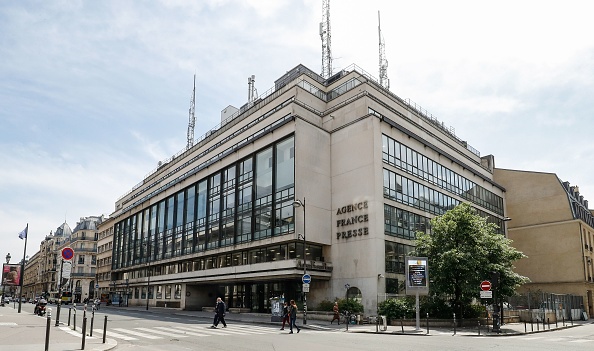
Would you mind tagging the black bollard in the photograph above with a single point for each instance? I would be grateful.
(74, 321)
(531, 324)
(479, 327)
(69, 313)
(92, 319)
(84, 332)
(104, 328)
(454, 324)
(427, 322)
(58, 313)
(548, 323)
(47, 328)
(556, 325)
(402, 324)
(525, 328)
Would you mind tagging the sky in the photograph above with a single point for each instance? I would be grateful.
(93, 94)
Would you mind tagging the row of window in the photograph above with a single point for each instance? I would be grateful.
(395, 254)
(404, 224)
(414, 163)
(271, 253)
(250, 200)
(140, 293)
(411, 193)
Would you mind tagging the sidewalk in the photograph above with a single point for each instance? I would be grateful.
(314, 324)
(27, 332)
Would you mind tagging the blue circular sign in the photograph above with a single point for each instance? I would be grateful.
(306, 279)
(67, 253)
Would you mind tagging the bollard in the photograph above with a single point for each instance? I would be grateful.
(525, 328)
(454, 324)
(548, 323)
(92, 319)
(402, 324)
(104, 328)
(564, 319)
(74, 321)
(427, 322)
(556, 325)
(531, 325)
(58, 313)
(84, 332)
(47, 328)
(479, 327)
(69, 313)
(537, 325)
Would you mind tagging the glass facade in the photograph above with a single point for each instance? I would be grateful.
(247, 201)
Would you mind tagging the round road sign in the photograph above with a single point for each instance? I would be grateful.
(67, 253)
(306, 279)
(485, 285)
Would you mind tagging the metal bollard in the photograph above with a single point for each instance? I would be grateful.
(479, 327)
(525, 328)
(69, 313)
(537, 325)
(84, 332)
(104, 328)
(58, 313)
(531, 324)
(427, 322)
(47, 328)
(454, 324)
(74, 322)
(92, 319)
(548, 323)
(556, 325)
(402, 324)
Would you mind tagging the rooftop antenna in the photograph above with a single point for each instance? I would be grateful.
(252, 91)
(192, 117)
(383, 62)
(326, 40)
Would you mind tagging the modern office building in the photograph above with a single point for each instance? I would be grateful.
(329, 177)
(552, 225)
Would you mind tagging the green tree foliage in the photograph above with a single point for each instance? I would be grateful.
(463, 249)
(397, 308)
(351, 305)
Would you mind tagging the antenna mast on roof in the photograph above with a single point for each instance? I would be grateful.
(383, 62)
(252, 91)
(192, 117)
(326, 40)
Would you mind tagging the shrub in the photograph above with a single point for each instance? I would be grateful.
(396, 308)
(325, 306)
(351, 305)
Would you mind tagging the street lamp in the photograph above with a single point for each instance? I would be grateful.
(299, 203)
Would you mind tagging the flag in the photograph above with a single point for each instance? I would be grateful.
(23, 234)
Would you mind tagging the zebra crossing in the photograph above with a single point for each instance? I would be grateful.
(554, 339)
(179, 331)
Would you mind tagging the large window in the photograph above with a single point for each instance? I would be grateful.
(248, 200)
(395, 253)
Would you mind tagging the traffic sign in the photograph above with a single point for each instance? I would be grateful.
(485, 285)
(486, 294)
(67, 253)
(306, 278)
(305, 288)
(97, 286)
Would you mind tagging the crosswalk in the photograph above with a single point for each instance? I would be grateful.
(554, 339)
(179, 331)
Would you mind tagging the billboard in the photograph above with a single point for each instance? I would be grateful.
(417, 275)
(11, 274)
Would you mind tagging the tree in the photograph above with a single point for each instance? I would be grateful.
(463, 250)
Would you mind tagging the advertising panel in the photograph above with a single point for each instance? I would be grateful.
(11, 274)
(417, 275)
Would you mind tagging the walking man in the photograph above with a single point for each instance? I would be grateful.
(285, 315)
(219, 313)
(336, 316)
(293, 317)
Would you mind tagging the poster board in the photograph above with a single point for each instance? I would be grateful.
(417, 275)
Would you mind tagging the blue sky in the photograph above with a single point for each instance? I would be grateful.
(94, 93)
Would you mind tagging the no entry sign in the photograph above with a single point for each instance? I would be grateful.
(485, 285)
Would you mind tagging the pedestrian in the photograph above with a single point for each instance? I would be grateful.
(336, 314)
(120, 301)
(97, 303)
(293, 317)
(285, 315)
(219, 314)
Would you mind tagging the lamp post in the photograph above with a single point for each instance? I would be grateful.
(299, 203)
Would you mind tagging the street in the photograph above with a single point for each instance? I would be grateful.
(137, 329)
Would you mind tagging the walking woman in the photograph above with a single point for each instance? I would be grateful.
(285, 315)
(293, 317)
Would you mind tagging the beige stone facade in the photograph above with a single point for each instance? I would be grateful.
(369, 167)
(551, 224)
(104, 253)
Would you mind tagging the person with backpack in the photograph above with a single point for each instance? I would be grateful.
(293, 317)
(220, 309)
